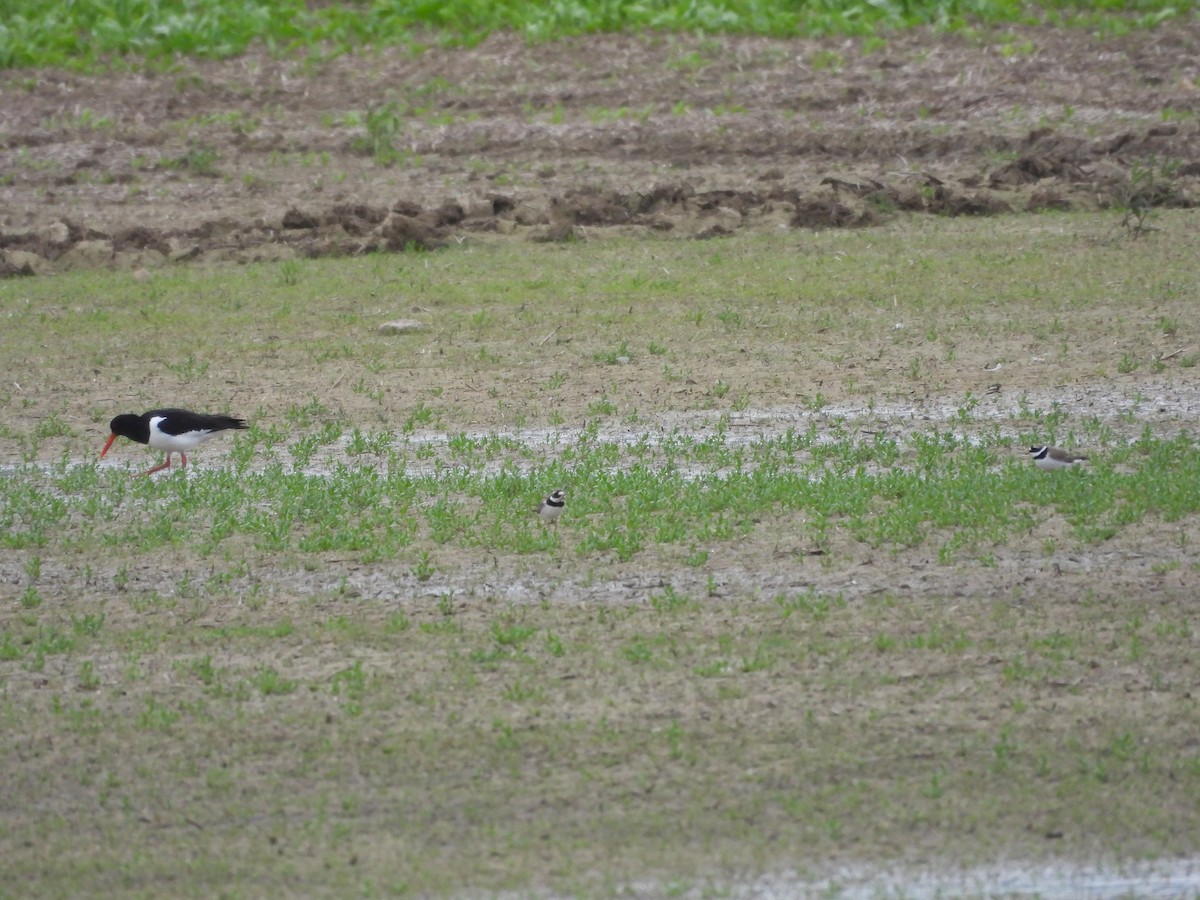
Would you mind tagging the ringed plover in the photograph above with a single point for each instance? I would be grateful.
(1051, 459)
(552, 506)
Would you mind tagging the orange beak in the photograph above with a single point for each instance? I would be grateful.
(107, 444)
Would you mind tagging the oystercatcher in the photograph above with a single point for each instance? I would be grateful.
(1054, 458)
(552, 506)
(173, 430)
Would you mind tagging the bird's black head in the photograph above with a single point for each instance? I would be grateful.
(133, 427)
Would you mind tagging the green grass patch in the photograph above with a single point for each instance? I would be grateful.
(90, 33)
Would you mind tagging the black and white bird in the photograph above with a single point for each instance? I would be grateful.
(173, 430)
(1054, 458)
(552, 506)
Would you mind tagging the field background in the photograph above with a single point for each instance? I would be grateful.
(783, 310)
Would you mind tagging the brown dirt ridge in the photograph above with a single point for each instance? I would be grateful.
(260, 158)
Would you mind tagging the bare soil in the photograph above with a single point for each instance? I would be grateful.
(266, 159)
(263, 158)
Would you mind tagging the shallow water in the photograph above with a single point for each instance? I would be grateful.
(1164, 407)
(1163, 879)
(1167, 879)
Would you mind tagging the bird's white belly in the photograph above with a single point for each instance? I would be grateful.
(189, 440)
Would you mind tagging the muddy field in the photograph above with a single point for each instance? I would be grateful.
(508, 145)
(258, 158)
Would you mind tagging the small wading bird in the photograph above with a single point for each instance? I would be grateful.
(173, 430)
(1054, 458)
(552, 506)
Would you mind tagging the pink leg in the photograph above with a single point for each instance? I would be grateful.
(165, 464)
